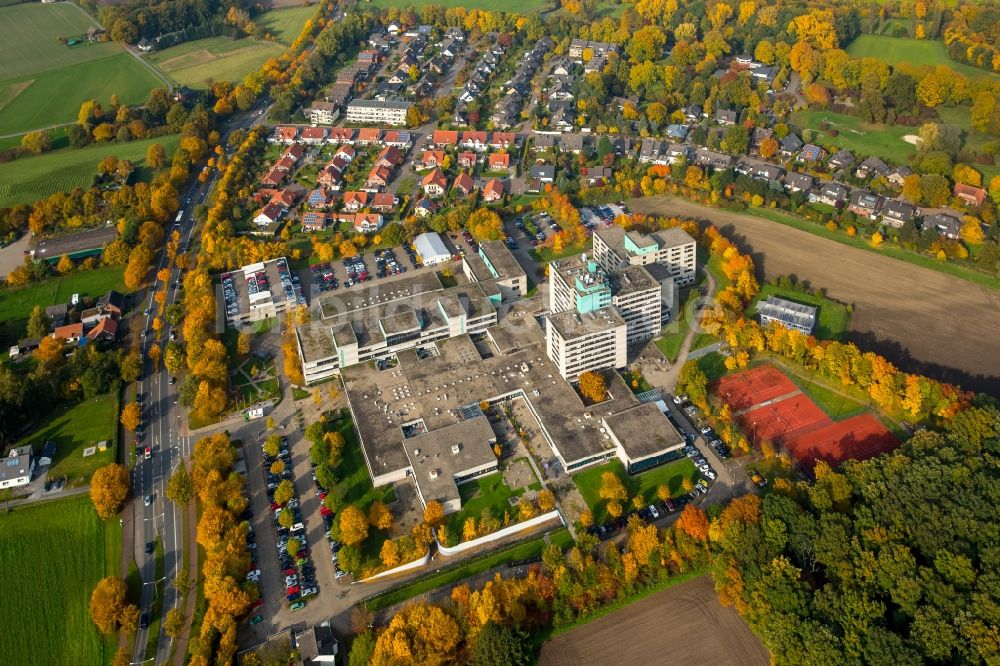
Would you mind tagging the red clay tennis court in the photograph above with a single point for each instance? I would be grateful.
(797, 423)
(753, 387)
(858, 437)
(781, 420)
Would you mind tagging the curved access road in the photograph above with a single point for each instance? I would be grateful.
(923, 320)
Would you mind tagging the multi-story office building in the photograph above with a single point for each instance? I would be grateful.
(377, 112)
(577, 342)
(674, 249)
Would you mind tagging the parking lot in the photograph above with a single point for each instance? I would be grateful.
(379, 264)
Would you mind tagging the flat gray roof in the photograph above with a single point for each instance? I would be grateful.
(500, 256)
(438, 456)
(316, 341)
(570, 324)
(643, 431)
(632, 279)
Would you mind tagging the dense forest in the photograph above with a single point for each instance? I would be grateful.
(893, 560)
(133, 20)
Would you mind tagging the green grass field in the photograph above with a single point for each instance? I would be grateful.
(672, 475)
(486, 492)
(54, 554)
(974, 139)
(857, 136)
(74, 428)
(31, 31)
(914, 51)
(32, 178)
(16, 304)
(514, 7)
(286, 24)
(833, 316)
(199, 62)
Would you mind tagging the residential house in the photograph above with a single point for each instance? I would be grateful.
(790, 144)
(378, 178)
(498, 162)
(273, 178)
(284, 134)
(864, 204)
(437, 64)
(444, 138)
(400, 78)
(598, 176)
(397, 139)
(897, 175)
(330, 176)
(694, 113)
(112, 304)
(106, 330)
(970, 196)
(456, 34)
(543, 173)
(896, 213)
(503, 140)
(759, 136)
(493, 190)
(946, 225)
(704, 157)
(431, 159)
(343, 135)
(314, 135)
(842, 159)
(464, 184)
(384, 202)
(17, 468)
(477, 141)
(798, 182)
(389, 157)
(367, 223)
(368, 136)
(425, 208)
(57, 314)
(434, 183)
(354, 201)
(269, 214)
(387, 90)
(70, 332)
(653, 151)
(676, 152)
(726, 117)
(369, 57)
(563, 116)
(323, 113)
(545, 142)
(572, 143)
(467, 160)
(830, 194)
(870, 168)
(811, 153)
(294, 152)
(345, 153)
(677, 132)
(318, 198)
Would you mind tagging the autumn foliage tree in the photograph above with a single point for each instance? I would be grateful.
(592, 386)
(353, 525)
(419, 634)
(108, 489)
(109, 605)
(131, 416)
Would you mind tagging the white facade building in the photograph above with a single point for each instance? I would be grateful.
(674, 249)
(594, 340)
(375, 112)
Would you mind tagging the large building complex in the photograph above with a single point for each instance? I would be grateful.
(377, 112)
(673, 249)
(259, 291)
(415, 310)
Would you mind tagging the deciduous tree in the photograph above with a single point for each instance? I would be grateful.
(353, 525)
(131, 416)
(108, 489)
(592, 386)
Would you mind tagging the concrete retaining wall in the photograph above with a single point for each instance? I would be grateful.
(500, 534)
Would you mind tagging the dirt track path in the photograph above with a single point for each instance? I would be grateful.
(923, 320)
(684, 624)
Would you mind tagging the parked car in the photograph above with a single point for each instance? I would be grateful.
(680, 399)
(256, 619)
(144, 621)
(705, 430)
(653, 512)
(309, 591)
(298, 605)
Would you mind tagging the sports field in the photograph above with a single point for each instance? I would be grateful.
(286, 24)
(16, 304)
(33, 178)
(46, 84)
(769, 406)
(54, 554)
(914, 51)
(199, 62)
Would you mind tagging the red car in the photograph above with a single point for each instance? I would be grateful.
(324, 511)
(292, 590)
(291, 571)
(259, 602)
(322, 495)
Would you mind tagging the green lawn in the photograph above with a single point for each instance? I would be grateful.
(16, 304)
(833, 317)
(197, 63)
(286, 24)
(974, 139)
(885, 141)
(55, 552)
(522, 551)
(55, 95)
(31, 31)
(672, 475)
(32, 178)
(914, 51)
(514, 7)
(73, 428)
(486, 492)
(713, 365)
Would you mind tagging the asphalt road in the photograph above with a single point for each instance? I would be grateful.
(162, 427)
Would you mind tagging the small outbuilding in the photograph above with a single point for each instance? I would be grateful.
(431, 249)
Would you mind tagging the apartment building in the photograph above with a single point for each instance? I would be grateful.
(594, 340)
(674, 249)
(377, 112)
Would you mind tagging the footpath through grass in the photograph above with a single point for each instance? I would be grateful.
(29, 179)
(73, 428)
(525, 550)
(53, 554)
(672, 475)
(16, 304)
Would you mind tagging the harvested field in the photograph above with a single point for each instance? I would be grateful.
(684, 624)
(924, 321)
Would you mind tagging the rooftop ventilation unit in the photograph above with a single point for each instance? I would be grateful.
(455, 448)
(434, 473)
